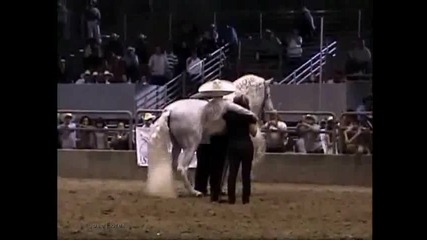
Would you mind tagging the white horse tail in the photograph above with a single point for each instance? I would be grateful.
(259, 147)
(160, 181)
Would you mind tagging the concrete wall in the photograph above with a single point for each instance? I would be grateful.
(283, 168)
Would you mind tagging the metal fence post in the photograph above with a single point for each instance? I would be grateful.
(170, 26)
(125, 19)
(260, 25)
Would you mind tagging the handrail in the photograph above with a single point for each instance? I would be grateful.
(173, 83)
(287, 80)
(321, 62)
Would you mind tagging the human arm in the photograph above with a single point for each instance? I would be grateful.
(250, 116)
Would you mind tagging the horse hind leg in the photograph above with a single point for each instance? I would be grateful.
(176, 150)
(183, 165)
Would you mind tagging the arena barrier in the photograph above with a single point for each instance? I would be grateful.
(347, 170)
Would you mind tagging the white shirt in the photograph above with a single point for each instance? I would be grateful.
(80, 81)
(312, 139)
(194, 66)
(294, 47)
(68, 136)
(158, 64)
(280, 126)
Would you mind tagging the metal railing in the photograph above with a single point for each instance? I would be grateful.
(134, 119)
(127, 113)
(167, 25)
(311, 66)
(177, 87)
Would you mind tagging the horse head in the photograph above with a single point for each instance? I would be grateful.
(268, 103)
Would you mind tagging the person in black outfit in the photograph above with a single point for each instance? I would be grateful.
(210, 164)
(240, 149)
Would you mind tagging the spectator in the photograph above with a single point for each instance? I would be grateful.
(183, 52)
(85, 78)
(158, 65)
(172, 61)
(63, 76)
(207, 43)
(309, 138)
(306, 24)
(294, 45)
(114, 45)
(132, 65)
(101, 136)
(120, 140)
(338, 77)
(357, 138)
(326, 137)
(194, 66)
(229, 36)
(117, 66)
(214, 33)
(141, 49)
(93, 21)
(86, 138)
(276, 134)
(95, 77)
(366, 106)
(92, 55)
(67, 132)
(106, 77)
(148, 120)
(359, 58)
(62, 20)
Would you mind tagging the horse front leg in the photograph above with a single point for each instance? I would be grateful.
(183, 165)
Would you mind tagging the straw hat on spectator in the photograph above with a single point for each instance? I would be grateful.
(95, 74)
(309, 116)
(107, 73)
(215, 88)
(148, 116)
(65, 115)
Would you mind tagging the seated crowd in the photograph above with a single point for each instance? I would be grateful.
(350, 134)
(112, 63)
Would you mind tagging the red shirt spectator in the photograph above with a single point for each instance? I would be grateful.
(118, 68)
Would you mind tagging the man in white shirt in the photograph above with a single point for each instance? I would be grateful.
(309, 131)
(158, 65)
(67, 132)
(85, 78)
(194, 66)
(276, 134)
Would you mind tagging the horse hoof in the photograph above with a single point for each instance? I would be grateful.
(198, 194)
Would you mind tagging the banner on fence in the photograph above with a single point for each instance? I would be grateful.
(142, 137)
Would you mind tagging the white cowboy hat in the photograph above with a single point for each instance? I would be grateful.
(311, 116)
(87, 72)
(108, 73)
(95, 74)
(65, 115)
(215, 88)
(148, 116)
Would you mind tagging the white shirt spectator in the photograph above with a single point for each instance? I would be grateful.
(158, 64)
(67, 135)
(281, 126)
(294, 49)
(194, 66)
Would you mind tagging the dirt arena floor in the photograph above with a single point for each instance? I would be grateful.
(107, 209)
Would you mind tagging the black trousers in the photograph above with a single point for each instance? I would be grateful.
(240, 152)
(202, 170)
(210, 165)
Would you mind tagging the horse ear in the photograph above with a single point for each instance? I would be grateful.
(268, 81)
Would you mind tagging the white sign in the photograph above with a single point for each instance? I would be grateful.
(142, 138)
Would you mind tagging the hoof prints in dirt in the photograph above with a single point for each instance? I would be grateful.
(90, 209)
